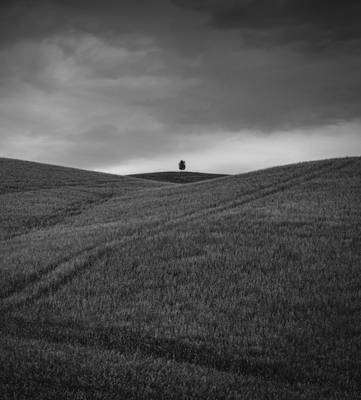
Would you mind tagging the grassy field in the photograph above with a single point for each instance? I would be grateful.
(242, 287)
(33, 195)
(178, 177)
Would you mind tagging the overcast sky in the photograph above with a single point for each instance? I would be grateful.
(135, 85)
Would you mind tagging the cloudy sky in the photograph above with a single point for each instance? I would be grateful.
(134, 85)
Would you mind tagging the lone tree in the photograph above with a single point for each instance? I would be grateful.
(182, 165)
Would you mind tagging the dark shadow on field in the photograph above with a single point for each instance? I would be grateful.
(125, 341)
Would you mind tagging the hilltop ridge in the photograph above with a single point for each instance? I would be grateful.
(178, 177)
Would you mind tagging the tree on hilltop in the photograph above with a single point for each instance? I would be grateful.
(182, 165)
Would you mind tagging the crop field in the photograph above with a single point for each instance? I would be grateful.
(238, 287)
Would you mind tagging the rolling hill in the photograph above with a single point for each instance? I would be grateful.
(178, 177)
(245, 287)
(36, 195)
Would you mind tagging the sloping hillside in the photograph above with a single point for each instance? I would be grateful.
(178, 177)
(20, 176)
(35, 195)
(242, 287)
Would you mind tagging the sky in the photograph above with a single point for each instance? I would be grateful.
(136, 85)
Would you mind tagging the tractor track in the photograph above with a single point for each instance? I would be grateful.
(59, 274)
(38, 275)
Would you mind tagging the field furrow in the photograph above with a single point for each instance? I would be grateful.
(240, 287)
(54, 275)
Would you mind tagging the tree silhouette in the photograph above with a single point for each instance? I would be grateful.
(182, 165)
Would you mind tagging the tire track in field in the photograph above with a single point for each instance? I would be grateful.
(50, 281)
(72, 209)
(20, 285)
(76, 208)
(171, 349)
(271, 189)
(251, 196)
(319, 170)
(60, 274)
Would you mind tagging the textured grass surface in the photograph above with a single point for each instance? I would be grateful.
(33, 195)
(240, 287)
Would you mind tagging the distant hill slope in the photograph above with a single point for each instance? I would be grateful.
(19, 175)
(246, 287)
(37, 195)
(178, 177)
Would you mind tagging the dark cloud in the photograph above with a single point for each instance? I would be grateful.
(313, 22)
(269, 91)
(93, 82)
(42, 18)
